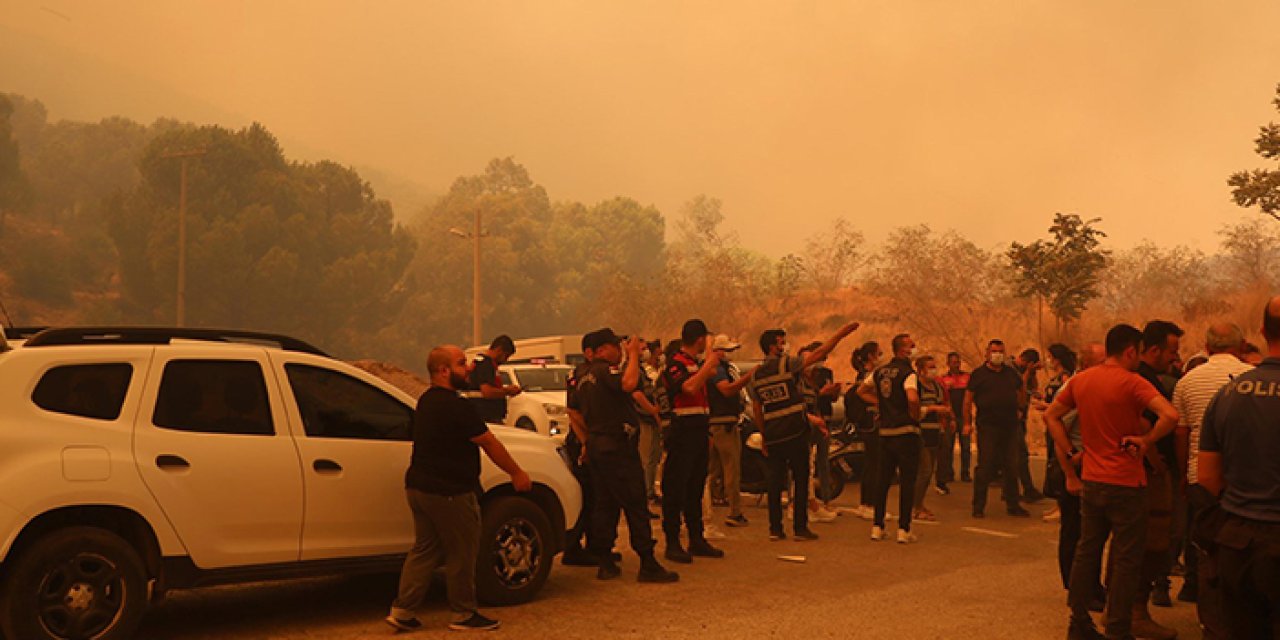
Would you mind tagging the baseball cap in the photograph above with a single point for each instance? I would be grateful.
(599, 338)
(723, 342)
(693, 330)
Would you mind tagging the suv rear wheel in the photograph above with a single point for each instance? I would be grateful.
(73, 584)
(515, 551)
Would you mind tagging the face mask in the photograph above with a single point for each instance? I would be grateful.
(997, 359)
(726, 356)
(933, 372)
(913, 353)
(645, 355)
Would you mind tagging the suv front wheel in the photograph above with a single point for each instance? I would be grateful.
(515, 551)
(74, 584)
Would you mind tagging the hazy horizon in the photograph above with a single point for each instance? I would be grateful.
(986, 118)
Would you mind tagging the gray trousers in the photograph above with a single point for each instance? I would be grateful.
(446, 532)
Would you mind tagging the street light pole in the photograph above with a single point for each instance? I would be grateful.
(183, 156)
(475, 282)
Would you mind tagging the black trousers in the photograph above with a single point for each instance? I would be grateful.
(684, 476)
(582, 472)
(902, 454)
(1120, 513)
(1068, 534)
(1248, 564)
(870, 466)
(791, 458)
(947, 456)
(1024, 463)
(997, 450)
(619, 486)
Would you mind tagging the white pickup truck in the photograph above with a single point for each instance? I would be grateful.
(138, 460)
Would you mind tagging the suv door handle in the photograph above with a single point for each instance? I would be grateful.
(326, 466)
(170, 462)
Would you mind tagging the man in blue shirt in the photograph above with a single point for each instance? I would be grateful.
(1240, 461)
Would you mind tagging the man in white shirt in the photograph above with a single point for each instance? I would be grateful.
(1224, 343)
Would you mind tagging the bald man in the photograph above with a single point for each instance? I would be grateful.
(442, 483)
(1239, 461)
(1224, 342)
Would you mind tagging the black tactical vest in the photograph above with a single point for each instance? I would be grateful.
(895, 418)
(724, 410)
(777, 390)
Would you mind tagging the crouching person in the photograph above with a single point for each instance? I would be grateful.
(442, 484)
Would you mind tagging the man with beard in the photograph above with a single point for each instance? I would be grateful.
(442, 485)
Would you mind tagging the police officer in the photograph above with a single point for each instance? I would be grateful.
(778, 407)
(606, 399)
(574, 554)
(894, 388)
(724, 393)
(684, 475)
(1240, 461)
(487, 391)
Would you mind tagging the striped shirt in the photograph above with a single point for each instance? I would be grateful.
(1192, 395)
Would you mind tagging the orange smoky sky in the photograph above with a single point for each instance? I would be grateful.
(986, 117)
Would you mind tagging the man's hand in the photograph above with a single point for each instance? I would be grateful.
(832, 389)
(713, 358)
(850, 328)
(1136, 446)
(967, 429)
(634, 346)
(521, 480)
(513, 390)
(818, 423)
(1075, 486)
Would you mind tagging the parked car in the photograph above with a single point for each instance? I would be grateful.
(541, 407)
(137, 461)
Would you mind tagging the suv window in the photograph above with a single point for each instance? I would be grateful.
(214, 396)
(86, 390)
(335, 405)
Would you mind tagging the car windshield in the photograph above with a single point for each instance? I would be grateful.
(543, 378)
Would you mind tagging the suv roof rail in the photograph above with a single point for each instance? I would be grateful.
(164, 335)
(22, 333)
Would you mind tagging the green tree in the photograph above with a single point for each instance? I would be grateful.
(1251, 252)
(1064, 271)
(1261, 187)
(13, 187)
(301, 248)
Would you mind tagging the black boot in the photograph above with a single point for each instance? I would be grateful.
(576, 556)
(651, 571)
(701, 548)
(608, 570)
(676, 553)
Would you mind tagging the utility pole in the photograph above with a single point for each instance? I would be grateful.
(474, 236)
(183, 156)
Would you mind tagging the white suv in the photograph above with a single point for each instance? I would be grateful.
(141, 460)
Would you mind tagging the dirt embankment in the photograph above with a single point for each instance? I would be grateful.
(407, 381)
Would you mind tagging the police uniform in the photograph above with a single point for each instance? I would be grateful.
(684, 475)
(899, 440)
(775, 388)
(573, 446)
(613, 429)
(1242, 424)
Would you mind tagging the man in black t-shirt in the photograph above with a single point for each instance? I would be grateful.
(606, 397)
(574, 554)
(485, 386)
(442, 485)
(995, 392)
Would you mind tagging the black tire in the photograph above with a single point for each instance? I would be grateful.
(515, 551)
(74, 584)
(526, 423)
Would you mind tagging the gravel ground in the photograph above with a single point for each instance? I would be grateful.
(954, 583)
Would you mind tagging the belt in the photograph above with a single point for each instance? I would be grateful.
(722, 420)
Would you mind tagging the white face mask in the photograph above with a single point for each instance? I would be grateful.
(645, 355)
(997, 359)
(932, 372)
(915, 351)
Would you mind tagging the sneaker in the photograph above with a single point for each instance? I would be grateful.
(1052, 515)
(965, 477)
(1190, 592)
(877, 533)
(1160, 596)
(404, 624)
(821, 516)
(805, 535)
(579, 557)
(710, 532)
(942, 490)
(703, 549)
(1018, 512)
(866, 512)
(924, 515)
(608, 571)
(1178, 569)
(777, 535)
(475, 622)
(906, 537)
(736, 521)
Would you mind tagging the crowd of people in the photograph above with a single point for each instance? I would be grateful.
(1157, 466)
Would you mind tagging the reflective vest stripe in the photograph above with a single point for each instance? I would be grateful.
(691, 411)
(773, 415)
(473, 395)
(900, 431)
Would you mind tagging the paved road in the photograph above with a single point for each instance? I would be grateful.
(955, 583)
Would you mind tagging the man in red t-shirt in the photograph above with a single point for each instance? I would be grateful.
(1110, 400)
